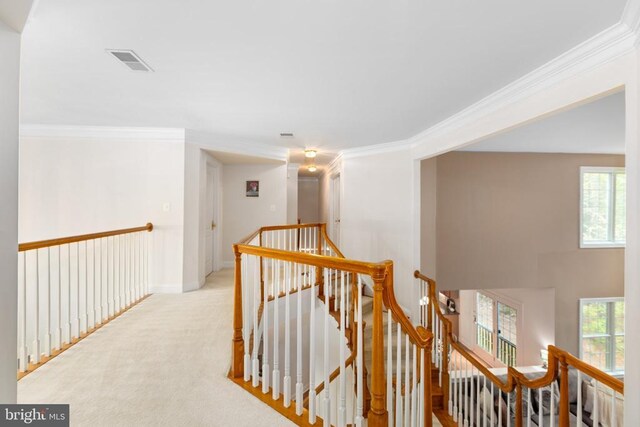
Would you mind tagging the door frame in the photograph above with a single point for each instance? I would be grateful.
(212, 171)
(332, 207)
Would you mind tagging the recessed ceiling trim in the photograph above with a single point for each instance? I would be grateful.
(129, 59)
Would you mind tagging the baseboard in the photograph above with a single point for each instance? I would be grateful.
(166, 289)
(228, 264)
(193, 286)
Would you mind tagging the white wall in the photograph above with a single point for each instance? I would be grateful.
(9, 107)
(292, 193)
(377, 215)
(537, 318)
(196, 220)
(242, 215)
(309, 199)
(72, 186)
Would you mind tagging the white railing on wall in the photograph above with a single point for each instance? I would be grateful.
(69, 287)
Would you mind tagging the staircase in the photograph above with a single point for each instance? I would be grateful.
(308, 343)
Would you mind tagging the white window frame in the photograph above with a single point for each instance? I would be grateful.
(611, 333)
(489, 358)
(612, 207)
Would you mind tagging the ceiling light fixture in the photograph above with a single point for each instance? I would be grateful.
(310, 154)
(312, 168)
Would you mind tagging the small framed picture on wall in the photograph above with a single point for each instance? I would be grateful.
(253, 188)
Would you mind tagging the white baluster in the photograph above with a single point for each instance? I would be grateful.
(23, 317)
(246, 311)
(342, 405)
(86, 287)
(466, 392)
(255, 375)
(509, 408)
(579, 382)
(36, 343)
(596, 405)
(312, 351)
(299, 385)
(540, 405)
(613, 409)
(491, 409)
(529, 407)
(59, 336)
(414, 388)
(47, 307)
(265, 332)
(276, 331)
(94, 311)
(359, 418)
(390, 401)
(287, 337)
(407, 371)
(421, 408)
(327, 388)
(399, 376)
(76, 321)
(450, 368)
(484, 404)
(456, 386)
(552, 406)
(434, 345)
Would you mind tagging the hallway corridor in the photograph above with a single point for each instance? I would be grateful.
(162, 363)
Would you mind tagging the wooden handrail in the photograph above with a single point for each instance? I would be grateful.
(423, 338)
(330, 242)
(81, 238)
(288, 227)
(558, 362)
(347, 265)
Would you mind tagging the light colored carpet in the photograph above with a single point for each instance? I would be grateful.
(162, 363)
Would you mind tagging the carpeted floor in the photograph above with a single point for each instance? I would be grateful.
(162, 363)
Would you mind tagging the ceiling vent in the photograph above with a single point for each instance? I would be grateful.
(286, 135)
(130, 59)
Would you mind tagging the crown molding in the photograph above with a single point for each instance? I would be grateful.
(606, 46)
(335, 165)
(370, 150)
(631, 18)
(228, 144)
(610, 44)
(101, 133)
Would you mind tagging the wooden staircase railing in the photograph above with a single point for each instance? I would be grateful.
(569, 392)
(71, 286)
(292, 280)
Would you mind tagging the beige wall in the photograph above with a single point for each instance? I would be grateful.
(511, 220)
(309, 199)
(243, 215)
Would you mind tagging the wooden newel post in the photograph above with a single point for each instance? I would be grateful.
(237, 350)
(426, 381)
(564, 393)
(445, 364)
(378, 411)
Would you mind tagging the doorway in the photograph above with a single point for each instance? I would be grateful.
(334, 228)
(210, 226)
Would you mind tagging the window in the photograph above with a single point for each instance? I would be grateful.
(496, 328)
(602, 333)
(602, 207)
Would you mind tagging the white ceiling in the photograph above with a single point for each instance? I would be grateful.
(339, 74)
(597, 127)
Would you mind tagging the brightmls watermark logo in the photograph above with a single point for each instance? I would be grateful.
(34, 415)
